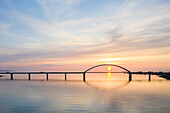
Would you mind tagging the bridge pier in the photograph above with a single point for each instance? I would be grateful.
(11, 76)
(47, 76)
(149, 76)
(130, 76)
(84, 76)
(65, 76)
(29, 76)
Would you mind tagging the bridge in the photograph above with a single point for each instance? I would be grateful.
(126, 71)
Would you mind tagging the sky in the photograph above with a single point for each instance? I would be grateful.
(73, 35)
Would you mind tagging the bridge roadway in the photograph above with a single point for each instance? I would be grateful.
(47, 74)
(58, 72)
(54, 72)
(66, 73)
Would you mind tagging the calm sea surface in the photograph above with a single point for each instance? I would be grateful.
(98, 95)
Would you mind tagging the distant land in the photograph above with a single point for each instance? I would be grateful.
(165, 75)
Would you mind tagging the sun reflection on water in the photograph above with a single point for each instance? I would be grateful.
(109, 75)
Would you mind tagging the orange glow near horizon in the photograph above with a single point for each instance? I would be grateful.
(109, 68)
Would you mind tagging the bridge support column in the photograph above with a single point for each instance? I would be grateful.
(149, 76)
(65, 76)
(84, 76)
(29, 76)
(11, 76)
(130, 76)
(47, 76)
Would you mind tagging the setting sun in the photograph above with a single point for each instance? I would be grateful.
(109, 68)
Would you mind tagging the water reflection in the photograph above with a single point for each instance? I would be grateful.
(109, 75)
(112, 85)
(117, 96)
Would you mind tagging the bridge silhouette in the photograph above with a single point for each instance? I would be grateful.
(126, 71)
(130, 73)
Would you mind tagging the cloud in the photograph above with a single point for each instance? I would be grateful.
(54, 8)
(4, 27)
(134, 27)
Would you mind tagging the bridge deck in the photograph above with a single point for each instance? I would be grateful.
(156, 73)
(161, 74)
(54, 72)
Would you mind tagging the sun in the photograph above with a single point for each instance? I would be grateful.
(109, 68)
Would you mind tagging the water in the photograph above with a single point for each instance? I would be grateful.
(94, 96)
